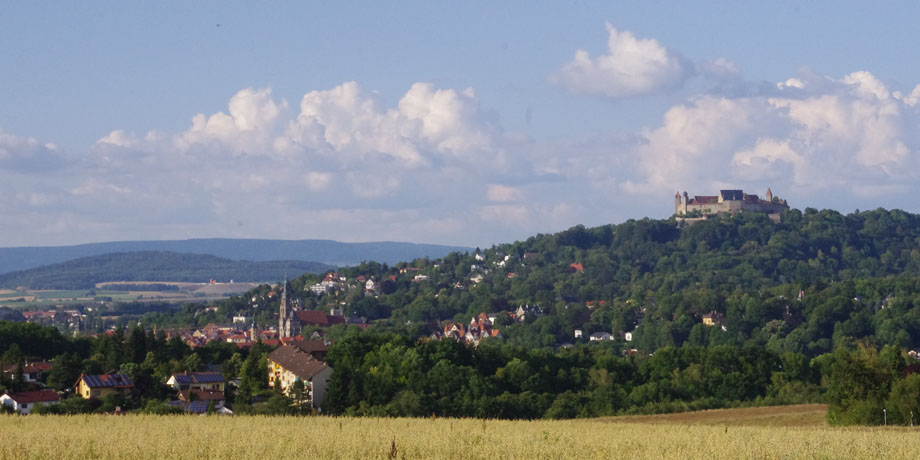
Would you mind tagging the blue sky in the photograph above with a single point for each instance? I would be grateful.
(464, 122)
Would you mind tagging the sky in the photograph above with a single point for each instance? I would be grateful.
(470, 123)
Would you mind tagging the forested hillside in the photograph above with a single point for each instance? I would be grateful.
(85, 272)
(799, 285)
(324, 251)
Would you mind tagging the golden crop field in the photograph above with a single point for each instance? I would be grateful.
(192, 437)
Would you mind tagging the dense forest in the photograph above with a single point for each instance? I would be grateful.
(84, 273)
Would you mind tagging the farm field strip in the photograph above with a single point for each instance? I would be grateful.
(801, 415)
(191, 437)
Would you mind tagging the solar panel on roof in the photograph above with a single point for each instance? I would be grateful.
(209, 378)
(195, 407)
(107, 380)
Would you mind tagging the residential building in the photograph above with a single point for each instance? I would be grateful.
(99, 386)
(714, 318)
(289, 364)
(25, 402)
(197, 381)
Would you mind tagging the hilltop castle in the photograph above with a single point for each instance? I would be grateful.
(727, 202)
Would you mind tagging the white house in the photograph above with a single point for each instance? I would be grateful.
(242, 319)
(599, 336)
(25, 402)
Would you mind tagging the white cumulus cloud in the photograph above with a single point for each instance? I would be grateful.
(632, 67)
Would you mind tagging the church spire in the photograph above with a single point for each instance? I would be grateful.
(284, 329)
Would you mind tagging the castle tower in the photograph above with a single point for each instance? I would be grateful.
(769, 195)
(676, 202)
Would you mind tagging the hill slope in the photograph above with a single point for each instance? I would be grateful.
(324, 251)
(85, 272)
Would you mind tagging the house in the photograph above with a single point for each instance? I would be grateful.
(242, 319)
(576, 267)
(207, 396)
(524, 311)
(316, 348)
(25, 402)
(289, 364)
(370, 287)
(577, 333)
(199, 407)
(30, 371)
(714, 318)
(100, 386)
(197, 381)
(600, 336)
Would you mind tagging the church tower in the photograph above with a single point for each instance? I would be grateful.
(284, 323)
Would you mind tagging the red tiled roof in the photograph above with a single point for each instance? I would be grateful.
(34, 396)
(704, 200)
(577, 266)
(312, 317)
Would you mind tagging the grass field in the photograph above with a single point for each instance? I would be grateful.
(188, 292)
(803, 415)
(191, 437)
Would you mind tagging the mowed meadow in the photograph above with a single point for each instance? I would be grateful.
(194, 437)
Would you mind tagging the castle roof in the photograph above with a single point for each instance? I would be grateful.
(704, 200)
(731, 195)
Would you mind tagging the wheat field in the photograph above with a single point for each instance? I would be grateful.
(193, 437)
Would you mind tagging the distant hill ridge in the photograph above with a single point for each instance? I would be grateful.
(85, 272)
(257, 250)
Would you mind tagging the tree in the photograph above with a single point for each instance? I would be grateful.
(253, 376)
(904, 401)
(66, 370)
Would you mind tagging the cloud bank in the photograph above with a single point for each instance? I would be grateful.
(438, 166)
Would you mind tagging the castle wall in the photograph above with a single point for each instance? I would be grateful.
(682, 206)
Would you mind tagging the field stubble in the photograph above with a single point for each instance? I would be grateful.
(190, 437)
